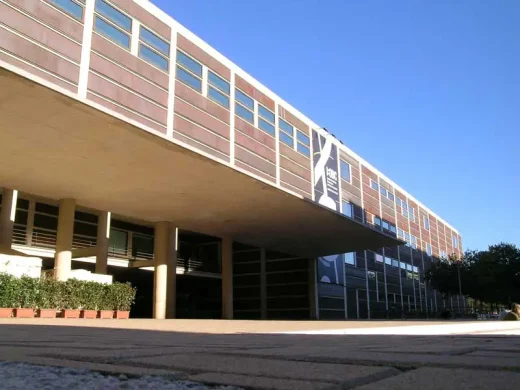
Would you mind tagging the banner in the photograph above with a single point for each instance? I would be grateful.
(326, 171)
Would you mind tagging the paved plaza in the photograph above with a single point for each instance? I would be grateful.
(278, 354)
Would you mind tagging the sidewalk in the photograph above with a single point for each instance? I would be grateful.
(278, 354)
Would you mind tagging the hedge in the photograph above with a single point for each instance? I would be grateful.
(26, 292)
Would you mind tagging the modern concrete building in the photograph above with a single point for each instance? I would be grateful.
(131, 147)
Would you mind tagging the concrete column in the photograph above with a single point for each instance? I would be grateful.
(165, 256)
(30, 222)
(9, 198)
(227, 278)
(103, 236)
(63, 256)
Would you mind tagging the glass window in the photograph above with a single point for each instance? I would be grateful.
(304, 139)
(405, 206)
(346, 209)
(392, 228)
(72, 8)
(303, 149)
(400, 232)
(377, 221)
(151, 56)
(244, 113)
(395, 263)
(244, 99)
(286, 139)
(218, 97)
(427, 223)
(345, 170)
(429, 249)
(189, 79)
(189, 63)
(386, 225)
(403, 265)
(114, 15)
(111, 32)
(388, 261)
(286, 127)
(218, 82)
(455, 242)
(390, 196)
(154, 41)
(266, 126)
(374, 185)
(414, 242)
(350, 258)
(379, 258)
(265, 113)
(415, 269)
(118, 241)
(383, 190)
(444, 255)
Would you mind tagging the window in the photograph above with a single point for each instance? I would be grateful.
(303, 143)
(189, 71)
(218, 89)
(429, 249)
(455, 242)
(388, 261)
(414, 242)
(400, 233)
(244, 106)
(444, 255)
(73, 8)
(391, 196)
(415, 269)
(392, 228)
(379, 258)
(409, 267)
(153, 49)
(112, 23)
(402, 265)
(395, 263)
(266, 120)
(427, 223)
(407, 238)
(350, 258)
(286, 133)
(374, 185)
(383, 191)
(412, 214)
(346, 209)
(377, 221)
(386, 225)
(345, 170)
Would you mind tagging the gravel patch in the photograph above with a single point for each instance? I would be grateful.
(28, 376)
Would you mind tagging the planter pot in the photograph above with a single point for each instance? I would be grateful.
(70, 313)
(6, 312)
(106, 314)
(89, 314)
(121, 315)
(24, 313)
(46, 313)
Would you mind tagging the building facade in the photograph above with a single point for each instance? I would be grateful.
(129, 146)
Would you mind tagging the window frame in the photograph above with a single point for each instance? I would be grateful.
(341, 163)
(186, 69)
(79, 3)
(284, 131)
(244, 106)
(374, 185)
(213, 87)
(304, 145)
(350, 207)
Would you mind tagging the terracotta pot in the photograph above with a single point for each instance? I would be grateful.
(24, 313)
(89, 314)
(46, 313)
(6, 312)
(121, 315)
(70, 313)
(106, 314)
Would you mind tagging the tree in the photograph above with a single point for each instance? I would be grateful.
(491, 276)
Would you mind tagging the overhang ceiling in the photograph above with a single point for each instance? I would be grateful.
(56, 147)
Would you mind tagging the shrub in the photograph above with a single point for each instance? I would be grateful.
(28, 292)
(49, 294)
(9, 289)
(122, 296)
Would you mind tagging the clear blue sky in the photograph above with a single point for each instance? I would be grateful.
(427, 91)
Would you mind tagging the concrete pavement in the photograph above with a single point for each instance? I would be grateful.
(279, 354)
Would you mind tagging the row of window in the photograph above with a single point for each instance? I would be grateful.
(396, 263)
(189, 71)
(117, 26)
(385, 225)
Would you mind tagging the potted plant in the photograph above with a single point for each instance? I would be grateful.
(91, 294)
(106, 309)
(27, 295)
(9, 287)
(49, 297)
(70, 298)
(123, 295)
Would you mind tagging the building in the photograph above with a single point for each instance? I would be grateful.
(129, 146)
